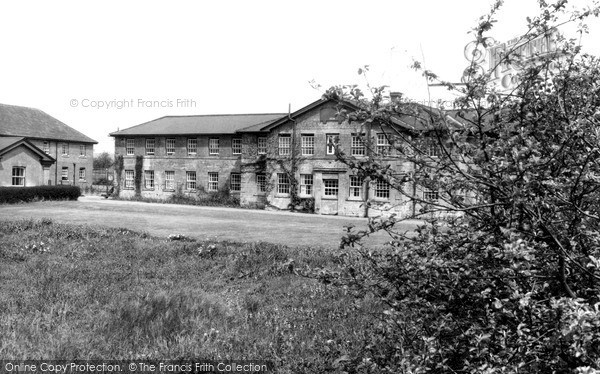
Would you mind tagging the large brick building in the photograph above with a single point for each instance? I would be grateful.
(37, 149)
(273, 160)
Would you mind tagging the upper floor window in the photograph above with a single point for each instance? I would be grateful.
(308, 144)
(213, 181)
(306, 184)
(236, 146)
(358, 145)
(130, 147)
(332, 140)
(150, 146)
(235, 182)
(18, 176)
(65, 149)
(433, 150)
(355, 186)
(213, 146)
(262, 145)
(82, 150)
(383, 144)
(46, 147)
(170, 146)
(430, 195)
(192, 146)
(285, 142)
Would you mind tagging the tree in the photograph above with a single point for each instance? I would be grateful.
(103, 161)
(510, 281)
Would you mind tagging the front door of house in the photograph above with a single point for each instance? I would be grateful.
(330, 192)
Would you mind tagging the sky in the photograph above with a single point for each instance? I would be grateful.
(100, 66)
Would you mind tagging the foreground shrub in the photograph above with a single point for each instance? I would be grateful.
(25, 194)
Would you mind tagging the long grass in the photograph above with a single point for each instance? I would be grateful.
(79, 292)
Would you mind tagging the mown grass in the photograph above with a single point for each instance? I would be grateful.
(98, 293)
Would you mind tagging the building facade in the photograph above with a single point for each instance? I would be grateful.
(37, 149)
(277, 161)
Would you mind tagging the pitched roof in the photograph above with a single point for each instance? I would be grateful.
(8, 143)
(33, 123)
(199, 124)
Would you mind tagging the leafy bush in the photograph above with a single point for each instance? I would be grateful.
(25, 194)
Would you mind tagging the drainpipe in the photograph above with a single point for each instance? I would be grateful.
(74, 171)
(293, 154)
(56, 163)
(369, 155)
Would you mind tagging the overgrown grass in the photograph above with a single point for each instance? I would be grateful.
(86, 292)
(218, 199)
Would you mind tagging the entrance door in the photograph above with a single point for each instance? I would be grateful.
(330, 194)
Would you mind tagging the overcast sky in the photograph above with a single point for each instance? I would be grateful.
(212, 57)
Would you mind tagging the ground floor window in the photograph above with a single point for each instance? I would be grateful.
(64, 176)
(235, 184)
(356, 183)
(213, 181)
(149, 179)
(190, 183)
(82, 174)
(169, 180)
(382, 189)
(430, 195)
(306, 184)
(283, 183)
(129, 178)
(18, 176)
(331, 187)
(261, 182)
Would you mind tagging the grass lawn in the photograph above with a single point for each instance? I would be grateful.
(86, 292)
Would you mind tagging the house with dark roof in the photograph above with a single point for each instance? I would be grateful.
(278, 160)
(37, 149)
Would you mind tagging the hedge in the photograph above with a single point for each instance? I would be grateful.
(24, 194)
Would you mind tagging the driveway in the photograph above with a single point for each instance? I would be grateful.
(200, 222)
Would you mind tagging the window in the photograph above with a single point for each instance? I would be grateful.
(306, 184)
(236, 146)
(192, 146)
(383, 144)
(285, 141)
(433, 150)
(213, 181)
(262, 145)
(283, 183)
(129, 178)
(331, 187)
(64, 176)
(308, 144)
(190, 183)
(18, 176)
(382, 189)
(149, 146)
(430, 195)
(213, 146)
(357, 145)
(332, 141)
(235, 182)
(149, 179)
(169, 180)
(356, 183)
(46, 147)
(65, 149)
(130, 148)
(82, 174)
(170, 146)
(261, 182)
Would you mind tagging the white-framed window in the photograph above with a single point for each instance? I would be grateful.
(213, 146)
(331, 187)
(82, 150)
(149, 179)
(130, 147)
(262, 145)
(170, 180)
(383, 144)
(190, 180)
(129, 178)
(308, 144)
(170, 146)
(261, 182)
(18, 176)
(285, 142)
(82, 174)
(382, 189)
(64, 175)
(306, 184)
(46, 147)
(433, 150)
(150, 146)
(430, 195)
(192, 146)
(65, 149)
(356, 185)
(332, 140)
(283, 183)
(236, 146)
(235, 182)
(358, 146)
(213, 181)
